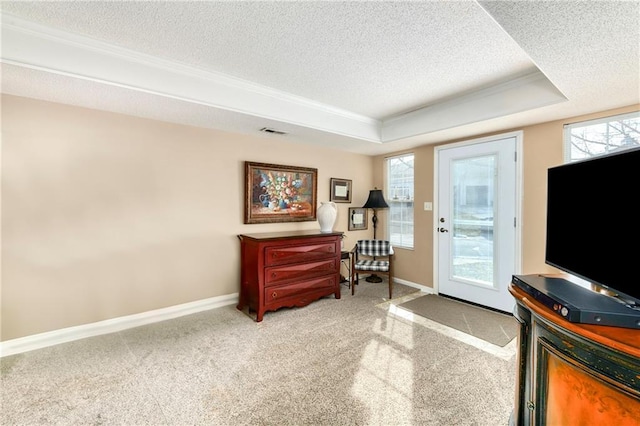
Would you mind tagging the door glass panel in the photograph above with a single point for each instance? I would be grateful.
(473, 181)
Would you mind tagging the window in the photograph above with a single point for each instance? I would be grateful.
(400, 199)
(596, 137)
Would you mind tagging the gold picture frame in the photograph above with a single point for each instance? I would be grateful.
(277, 193)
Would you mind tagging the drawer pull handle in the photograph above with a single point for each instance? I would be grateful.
(274, 294)
(273, 275)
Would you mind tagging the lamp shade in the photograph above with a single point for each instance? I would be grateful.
(376, 200)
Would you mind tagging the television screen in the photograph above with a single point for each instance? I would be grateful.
(593, 221)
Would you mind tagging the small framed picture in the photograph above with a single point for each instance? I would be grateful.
(357, 219)
(340, 190)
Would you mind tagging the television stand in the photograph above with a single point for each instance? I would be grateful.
(573, 374)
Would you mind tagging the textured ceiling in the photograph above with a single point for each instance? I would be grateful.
(361, 76)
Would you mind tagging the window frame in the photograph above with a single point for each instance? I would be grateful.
(393, 199)
(567, 128)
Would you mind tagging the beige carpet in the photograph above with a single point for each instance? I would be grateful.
(335, 362)
(493, 327)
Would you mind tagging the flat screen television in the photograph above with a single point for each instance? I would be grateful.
(593, 222)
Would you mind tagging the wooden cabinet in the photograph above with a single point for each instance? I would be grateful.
(574, 374)
(286, 269)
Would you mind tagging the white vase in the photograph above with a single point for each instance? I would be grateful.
(327, 213)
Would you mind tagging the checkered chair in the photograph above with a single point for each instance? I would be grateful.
(373, 256)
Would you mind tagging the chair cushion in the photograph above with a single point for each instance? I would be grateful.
(372, 265)
(374, 247)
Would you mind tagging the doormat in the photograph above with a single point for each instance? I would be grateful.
(493, 327)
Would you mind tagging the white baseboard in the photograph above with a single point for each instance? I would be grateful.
(420, 287)
(43, 340)
(64, 335)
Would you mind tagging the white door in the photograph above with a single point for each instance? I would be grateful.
(476, 221)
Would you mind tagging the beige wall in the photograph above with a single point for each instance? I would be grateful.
(414, 265)
(106, 215)
(542, 148)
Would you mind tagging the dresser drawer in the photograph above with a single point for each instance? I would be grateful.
(297, 291)
(279, 274)
(298, 253)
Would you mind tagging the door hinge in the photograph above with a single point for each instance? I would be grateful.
(514, 222)
(531, 406)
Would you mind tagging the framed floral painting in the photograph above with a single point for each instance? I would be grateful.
(276, 193)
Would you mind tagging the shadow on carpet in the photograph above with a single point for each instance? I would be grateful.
(493, 327)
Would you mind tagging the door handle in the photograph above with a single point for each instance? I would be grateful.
(443, 230)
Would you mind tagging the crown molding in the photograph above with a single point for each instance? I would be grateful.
(526, 92)
(36, 46)
(43, 48)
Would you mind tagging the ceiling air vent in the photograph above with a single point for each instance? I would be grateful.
(272, 131)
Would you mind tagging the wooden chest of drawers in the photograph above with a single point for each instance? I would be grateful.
(286, 269)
